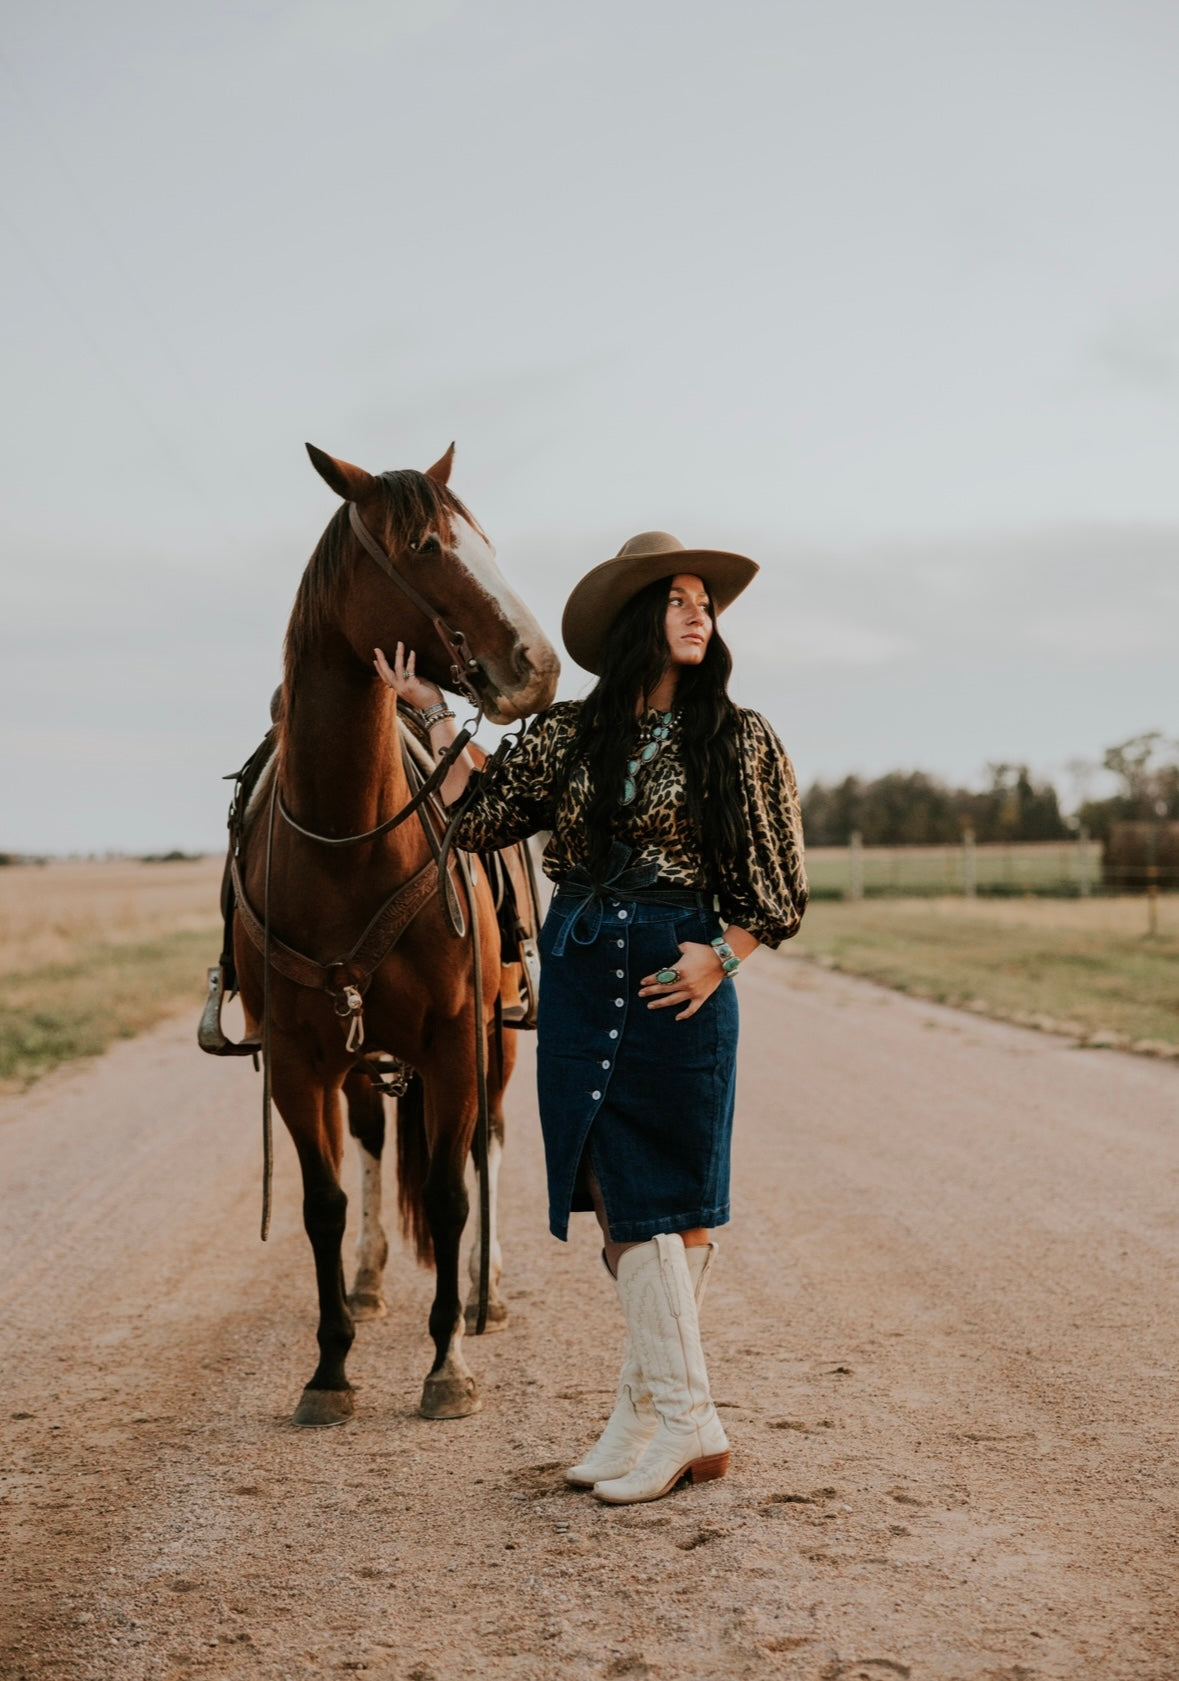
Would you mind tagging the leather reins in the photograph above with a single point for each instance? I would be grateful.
(430, 786)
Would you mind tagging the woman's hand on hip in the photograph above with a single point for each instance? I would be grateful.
(401, 677)
(697, 973)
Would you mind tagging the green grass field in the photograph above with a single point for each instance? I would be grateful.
(66, 1010)
(1001, 869)
(91, 952)
(1086, 966)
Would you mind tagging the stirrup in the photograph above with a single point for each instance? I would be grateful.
(210, 1034)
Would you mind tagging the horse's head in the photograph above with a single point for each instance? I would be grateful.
(416, 525)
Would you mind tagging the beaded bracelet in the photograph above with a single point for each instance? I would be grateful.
(436, 714)
(729, 961)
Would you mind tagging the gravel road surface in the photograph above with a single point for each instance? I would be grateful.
(942, 1331)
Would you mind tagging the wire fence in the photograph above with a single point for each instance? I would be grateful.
(997, 869)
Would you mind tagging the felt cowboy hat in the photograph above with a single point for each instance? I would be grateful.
(600, 596)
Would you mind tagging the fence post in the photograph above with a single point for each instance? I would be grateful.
(1152, 880)
(1083, 884)
(855, 862)
(969, 865)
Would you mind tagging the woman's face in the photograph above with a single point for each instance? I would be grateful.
(688, 624)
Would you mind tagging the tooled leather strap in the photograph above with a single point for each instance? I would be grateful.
(390, 922)
(357, 967)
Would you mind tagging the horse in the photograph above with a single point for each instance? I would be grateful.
(401, 560)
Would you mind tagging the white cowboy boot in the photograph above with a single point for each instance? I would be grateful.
(632, 1423)
(689, 1440)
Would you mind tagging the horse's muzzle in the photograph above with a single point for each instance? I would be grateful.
(535, 673)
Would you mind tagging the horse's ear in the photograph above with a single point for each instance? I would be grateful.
(352, 483)
(440, 471)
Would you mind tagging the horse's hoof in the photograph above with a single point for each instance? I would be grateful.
(450, 1397)
(321, 1407)
(366, 1304)
(497, 1317)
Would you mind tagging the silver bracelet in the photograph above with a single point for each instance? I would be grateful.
(436, 714)
(729, 961)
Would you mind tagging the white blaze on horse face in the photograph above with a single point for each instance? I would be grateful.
(478, 559)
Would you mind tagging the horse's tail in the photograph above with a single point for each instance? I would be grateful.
(413, 1163)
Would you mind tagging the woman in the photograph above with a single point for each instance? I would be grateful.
(676, 850)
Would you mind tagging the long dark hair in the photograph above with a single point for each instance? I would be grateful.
(636, 657)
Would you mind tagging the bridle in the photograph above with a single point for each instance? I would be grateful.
(463, 665)
(462, 668)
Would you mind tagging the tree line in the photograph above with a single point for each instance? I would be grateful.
(912, 808)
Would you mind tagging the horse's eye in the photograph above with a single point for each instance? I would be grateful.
(429, 545)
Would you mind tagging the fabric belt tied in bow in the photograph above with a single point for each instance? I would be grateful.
(616, 882)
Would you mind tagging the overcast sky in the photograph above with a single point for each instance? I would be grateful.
(884, 292)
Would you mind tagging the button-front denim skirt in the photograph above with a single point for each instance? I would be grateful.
(644, 1100)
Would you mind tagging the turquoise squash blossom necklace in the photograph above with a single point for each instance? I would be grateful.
(657, 735)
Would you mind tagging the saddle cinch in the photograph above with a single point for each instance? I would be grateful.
(510, 873)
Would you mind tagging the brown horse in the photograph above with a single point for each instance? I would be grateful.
(339, 771)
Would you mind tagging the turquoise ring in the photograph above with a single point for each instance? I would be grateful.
(668, 977)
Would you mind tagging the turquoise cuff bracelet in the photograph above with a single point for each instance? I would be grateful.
(729, 961)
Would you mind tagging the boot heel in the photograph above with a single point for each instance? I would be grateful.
(707, 1469)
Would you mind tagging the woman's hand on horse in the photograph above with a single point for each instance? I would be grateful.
(698, 974)
(401, 677)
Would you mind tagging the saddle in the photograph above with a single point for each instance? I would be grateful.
(510, 873)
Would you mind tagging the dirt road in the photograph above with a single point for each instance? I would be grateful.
(942, 1329)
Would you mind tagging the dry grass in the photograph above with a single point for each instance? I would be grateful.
(49, 912)
(98, 951)
(1087, 967)
(92, 952)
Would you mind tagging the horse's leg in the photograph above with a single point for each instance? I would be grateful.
(312, 1114)
(366, 1123)
(497, 1312)
(450, 1390)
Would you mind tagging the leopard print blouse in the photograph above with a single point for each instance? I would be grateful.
(763, 889)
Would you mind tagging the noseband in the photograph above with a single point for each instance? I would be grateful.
(463, 665)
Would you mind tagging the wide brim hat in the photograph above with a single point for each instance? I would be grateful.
(602, 594)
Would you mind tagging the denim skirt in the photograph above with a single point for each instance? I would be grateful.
(644, 1100)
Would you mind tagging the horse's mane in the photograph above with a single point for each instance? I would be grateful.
(413, 502)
